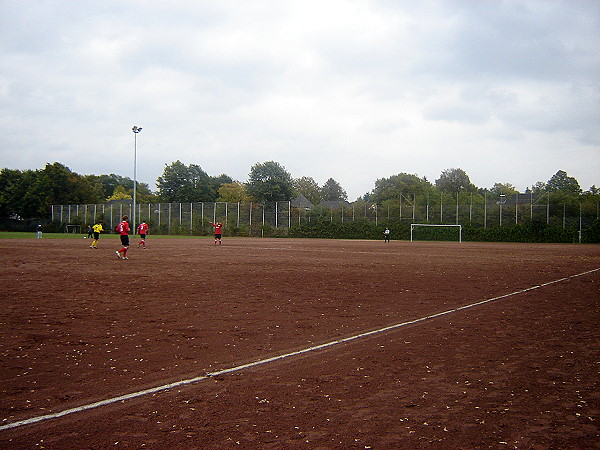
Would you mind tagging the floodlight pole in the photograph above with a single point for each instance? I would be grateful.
(135, 130)
(501, 202)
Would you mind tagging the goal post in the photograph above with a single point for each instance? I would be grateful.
(414, 225)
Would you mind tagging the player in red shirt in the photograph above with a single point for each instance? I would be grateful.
(142, 230)
(218, 227)
(123, 229)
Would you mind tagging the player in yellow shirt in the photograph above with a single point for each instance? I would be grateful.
(97, 230)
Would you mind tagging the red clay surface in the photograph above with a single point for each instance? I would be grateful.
(79, 326)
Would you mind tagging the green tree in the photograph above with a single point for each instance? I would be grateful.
(106, 184)
(454, 180)
(561, 182)
(538, 187)
(269, 182)
(181, 183)
(8, 180)
(233, 192)
(217, 182)
(120, 193)
(308, 187)
(56, 184)
(504, 188)
(332, 190)
(15, 198)
(393, 187)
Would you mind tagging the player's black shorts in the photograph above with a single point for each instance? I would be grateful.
(217, 236)
(96, 235)
(125, 240)
(142, 236)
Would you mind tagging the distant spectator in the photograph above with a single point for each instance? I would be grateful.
(386, 235)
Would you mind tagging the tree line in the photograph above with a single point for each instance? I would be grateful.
(30, 193)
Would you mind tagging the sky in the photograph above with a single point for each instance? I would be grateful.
(354, 90)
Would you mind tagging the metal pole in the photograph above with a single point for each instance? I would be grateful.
(531, 206)
(456, 208)
(134, 175)
(135, 130)
(400, 206)
(580, 224)
(485, 210)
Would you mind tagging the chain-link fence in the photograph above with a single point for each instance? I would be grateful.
(249, 219)
(275, 218)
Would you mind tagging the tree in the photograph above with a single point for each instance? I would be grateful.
(537, 188)
(54, 185)
(308, 187)
(105, 184)
(332, 190)
(233, 192)
(181, 183)
(561, 182)
(104, 188)
(393, 187)
(454, 180)
(217, 182)
(269, 182)
(14, 198)
(8, 193)
(504, 188)
(120, 193)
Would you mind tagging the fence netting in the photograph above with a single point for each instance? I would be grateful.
(275, 218)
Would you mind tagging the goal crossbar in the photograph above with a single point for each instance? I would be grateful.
(413, 225)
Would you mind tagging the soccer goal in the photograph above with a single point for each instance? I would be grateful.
(435, 236)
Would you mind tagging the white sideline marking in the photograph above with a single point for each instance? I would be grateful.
(164, 387)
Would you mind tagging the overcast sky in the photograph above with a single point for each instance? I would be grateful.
(353, 90)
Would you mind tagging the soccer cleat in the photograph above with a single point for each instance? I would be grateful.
(124, 257)
(118, 256)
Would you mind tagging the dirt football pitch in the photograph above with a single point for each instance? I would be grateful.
(282, 343)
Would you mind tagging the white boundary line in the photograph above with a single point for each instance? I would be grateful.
(165, 387)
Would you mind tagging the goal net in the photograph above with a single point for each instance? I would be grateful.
(429, 232)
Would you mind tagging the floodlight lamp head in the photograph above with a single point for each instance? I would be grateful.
(136, 129)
